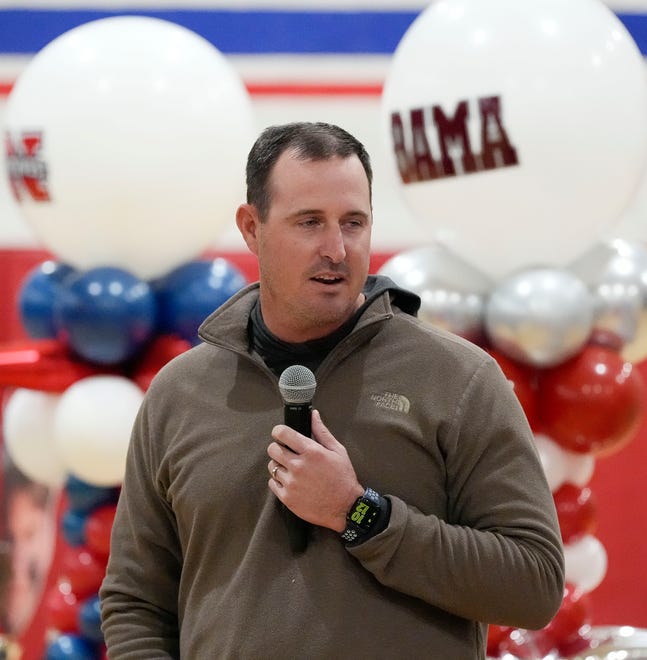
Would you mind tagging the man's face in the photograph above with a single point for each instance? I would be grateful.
(314, 246)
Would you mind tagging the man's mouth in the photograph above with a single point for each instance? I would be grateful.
(328, 279)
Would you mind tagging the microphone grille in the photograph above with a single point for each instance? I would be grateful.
(297, 384)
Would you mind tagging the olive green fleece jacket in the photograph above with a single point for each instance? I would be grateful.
(201, 567)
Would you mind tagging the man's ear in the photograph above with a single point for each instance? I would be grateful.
(248, 223)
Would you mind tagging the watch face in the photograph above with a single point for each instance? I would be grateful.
(359, 512)
(364, 513)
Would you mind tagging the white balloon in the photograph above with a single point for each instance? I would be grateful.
(530, 116)
(128, 137)
(585, 562)
(579, 468)
(553, 460)
(28, 434)
(92, 427)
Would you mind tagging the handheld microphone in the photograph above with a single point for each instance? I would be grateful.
(297, 385)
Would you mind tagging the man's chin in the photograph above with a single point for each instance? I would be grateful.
(330, 317)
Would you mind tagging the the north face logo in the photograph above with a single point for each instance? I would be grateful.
(391, 401)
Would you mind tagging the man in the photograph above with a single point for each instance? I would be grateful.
(414, 426)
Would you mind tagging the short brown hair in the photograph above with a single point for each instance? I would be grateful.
(309, 141)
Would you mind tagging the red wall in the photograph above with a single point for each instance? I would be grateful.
(618, 481)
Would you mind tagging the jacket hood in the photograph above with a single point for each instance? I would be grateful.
(404, 300)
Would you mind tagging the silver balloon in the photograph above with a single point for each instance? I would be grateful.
(452, 292)
(540, 316)
(616, 274)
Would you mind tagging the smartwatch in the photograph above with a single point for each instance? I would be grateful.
(362, 516)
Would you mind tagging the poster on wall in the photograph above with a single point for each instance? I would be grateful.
(28, 519)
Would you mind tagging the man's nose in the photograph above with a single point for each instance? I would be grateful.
(333, 246)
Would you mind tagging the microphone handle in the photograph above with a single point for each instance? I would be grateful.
(297, 416)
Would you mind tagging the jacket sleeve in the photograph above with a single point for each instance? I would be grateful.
(140, 591)
(497, 557)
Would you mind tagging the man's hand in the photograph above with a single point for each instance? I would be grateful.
(313, 478)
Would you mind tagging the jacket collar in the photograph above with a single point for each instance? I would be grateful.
(227, 325)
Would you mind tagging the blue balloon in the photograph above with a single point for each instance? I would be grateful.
(73, 527)
(106, 315)
(84, 497)
(90, 619)
(71, 647)
(188, 294)
(37, 295)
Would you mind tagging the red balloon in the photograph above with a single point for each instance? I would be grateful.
(83, 570)
(576, 511)
(495, 636)
(572, 617)
(524, 381)
(98, 526)
(40, 364)
(161, 350)
(592, 403)
(578, 644)
(607, 338)
(62, 608)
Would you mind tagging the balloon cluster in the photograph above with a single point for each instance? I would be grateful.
(71, 605)
(98, 336)
(107, 315)
(560, 336)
